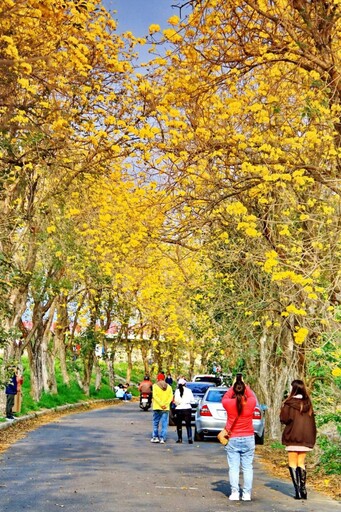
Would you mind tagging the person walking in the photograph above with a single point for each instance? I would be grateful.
(11, 391)
(183, 398)
(299, 434)
(162, 397)
(239, 403)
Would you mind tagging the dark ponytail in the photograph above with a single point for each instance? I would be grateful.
(239, 391)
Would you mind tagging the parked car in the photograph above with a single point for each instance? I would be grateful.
(208, 378)
(198, 389)
(210, 417)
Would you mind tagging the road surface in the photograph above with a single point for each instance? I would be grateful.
(103, 461)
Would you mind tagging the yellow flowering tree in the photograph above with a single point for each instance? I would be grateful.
(65, 89)
(244, 117)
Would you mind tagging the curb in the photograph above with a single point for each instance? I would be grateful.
(64, 407)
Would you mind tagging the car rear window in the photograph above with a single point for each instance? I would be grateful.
(195, 388)
(215, 395)
(208, 378)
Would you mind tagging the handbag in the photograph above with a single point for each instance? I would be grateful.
(224, 435)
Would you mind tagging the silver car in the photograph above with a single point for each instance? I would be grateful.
(210, 416)
(198, 389)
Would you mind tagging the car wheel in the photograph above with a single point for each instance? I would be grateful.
(197, 436)
(259, 439)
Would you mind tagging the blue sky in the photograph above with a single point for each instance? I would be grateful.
(137, 15)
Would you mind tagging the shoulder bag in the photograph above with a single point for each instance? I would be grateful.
(224, 435)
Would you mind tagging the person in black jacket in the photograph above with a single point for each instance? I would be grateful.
(11, 391)
(299, 434)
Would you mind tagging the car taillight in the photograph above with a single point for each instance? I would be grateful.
(204, 411)
(257, 415)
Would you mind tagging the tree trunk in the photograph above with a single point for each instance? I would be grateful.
(60, 349)
(60, 335)
(129, 351)
(191, 363)
(144, 352)
(111, 370)
(274, 374)
(98, 373)
(48, 369)
(35, 360)
(88, 366)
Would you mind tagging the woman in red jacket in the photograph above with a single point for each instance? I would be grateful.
(239, 403)
(299, 434)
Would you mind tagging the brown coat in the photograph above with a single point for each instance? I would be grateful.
(300, 428)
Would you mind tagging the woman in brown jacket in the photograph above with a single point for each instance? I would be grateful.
(299, 434)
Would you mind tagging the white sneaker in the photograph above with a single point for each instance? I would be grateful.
(155, 440)
(234, 496)
(246, 496)
(162, 441)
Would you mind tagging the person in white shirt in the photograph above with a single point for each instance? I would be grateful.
(183, 398)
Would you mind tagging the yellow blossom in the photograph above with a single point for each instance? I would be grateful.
(154, 28)
(301, 335)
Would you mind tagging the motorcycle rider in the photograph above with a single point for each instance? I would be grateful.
(145, 388)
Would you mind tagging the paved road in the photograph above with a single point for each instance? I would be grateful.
(103, 461)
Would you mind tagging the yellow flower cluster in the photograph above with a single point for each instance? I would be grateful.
(336, 372)
(301, 335)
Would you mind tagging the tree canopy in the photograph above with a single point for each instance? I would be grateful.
(196, 205)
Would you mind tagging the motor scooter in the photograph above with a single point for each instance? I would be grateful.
(145, 401)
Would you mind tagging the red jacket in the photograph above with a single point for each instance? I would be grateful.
(243, 426)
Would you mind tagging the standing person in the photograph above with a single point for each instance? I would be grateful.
(11, 391)
(239, 403)
(161, 376)
(299, 434)
(162, 397)
(169, 379)
(18, 397)
(183, 398)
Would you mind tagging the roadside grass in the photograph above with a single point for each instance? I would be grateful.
(73, 393)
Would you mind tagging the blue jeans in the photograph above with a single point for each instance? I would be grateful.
(160, 417)
(240, 452)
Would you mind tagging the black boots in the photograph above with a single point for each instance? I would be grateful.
(295, 481)
(302, 478)
(179, 431)
(299, 478)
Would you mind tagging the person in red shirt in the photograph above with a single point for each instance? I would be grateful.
(239, 403)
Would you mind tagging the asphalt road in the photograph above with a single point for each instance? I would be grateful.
(103, 461)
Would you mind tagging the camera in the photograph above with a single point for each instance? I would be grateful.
(239, 377)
